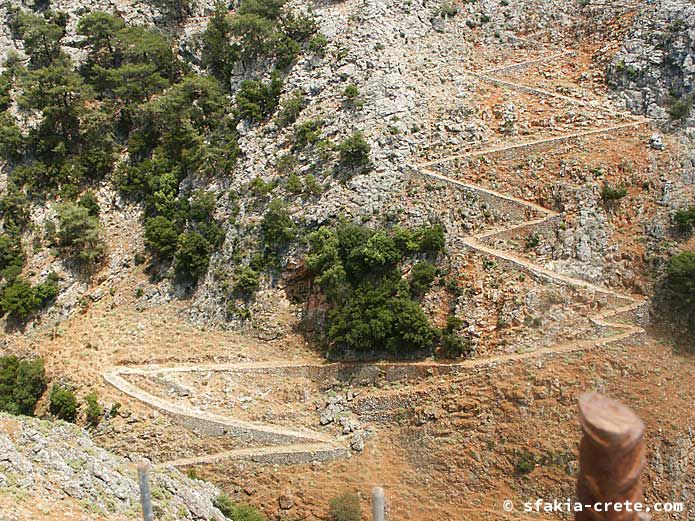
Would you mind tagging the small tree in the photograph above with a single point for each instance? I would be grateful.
(421, 277)
(161, 237)
(19, 299)
(192, 256)
(345, 507)
(94, 410)
(277, 226)
(354, 155)
(685, 219)
(79, 234)
(22, 382)
(63, 403)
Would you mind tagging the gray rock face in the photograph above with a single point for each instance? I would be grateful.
(55, 459)
(656, 64)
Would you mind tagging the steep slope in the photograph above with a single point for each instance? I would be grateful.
(53, 470)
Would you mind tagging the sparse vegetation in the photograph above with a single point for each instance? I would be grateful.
(680, 108)
(237, 512)
(613, 194)
(345, 507)
(685, 219)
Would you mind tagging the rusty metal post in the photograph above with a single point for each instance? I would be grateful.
(145, 497)
(611, 458)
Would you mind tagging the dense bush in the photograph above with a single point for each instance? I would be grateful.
(345, 507)
(421, 277)
(453, 345)
(94, 411)
(161, 237)
(372, 305)
(611, 194)
(236, 512)
(20, 299)
(11, 255)
(257, 100)
(681, 278)
(79, 234)
(277, 226)
(246, 280)
(218, 53)
(63, 403)
(377, 318)
(307, 132)
(291, 108)
(353, 154)
(676, 299)
(192, 256)
(22, 382)
(685, 219)
(680, 109)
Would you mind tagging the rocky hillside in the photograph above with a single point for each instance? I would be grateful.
(653, 73)
(53, 469)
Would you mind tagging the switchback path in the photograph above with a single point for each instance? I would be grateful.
(301, 445)
(287, 446)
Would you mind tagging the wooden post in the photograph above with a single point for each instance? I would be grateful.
(378, 504)
(145, 497)
(611, 458)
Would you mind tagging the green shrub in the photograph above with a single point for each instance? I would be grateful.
(218, 54)
(294, 184)
(286, 164)
(307, 132)
(372, 305)
(257, 100)
(685, 219)
(41, 35)
(19, 299)
(681, 278)
(236, 512)
(352, 95)
(525, 462)
(345, 507)
(453, 345)
(260, 188)
(89, 201)
(161, 237)
(311, 185)
(94, 410)
(79, 234)
(611, 194)
(63, 403)
(376, 318)
(431, 239)
(421, 277)
(680, 109)
(318, 44)
(11, 254)
(353, 154)
(246, 281)
(192, 256)
(22, 382)
(291, 108)
(11, 139)
(277, 226)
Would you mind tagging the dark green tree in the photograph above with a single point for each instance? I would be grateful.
(22, 382)
(63, 403)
